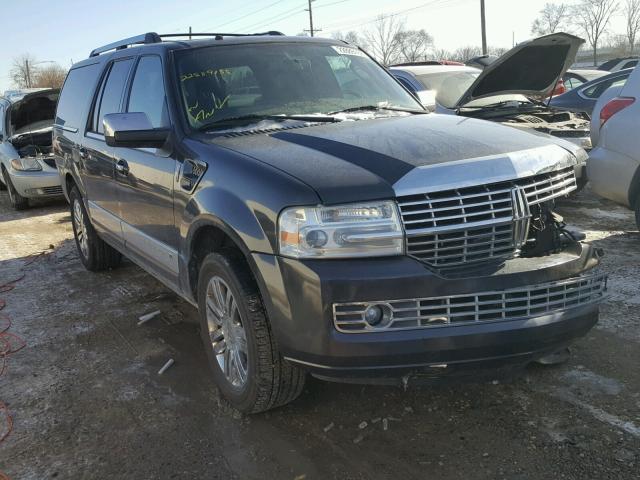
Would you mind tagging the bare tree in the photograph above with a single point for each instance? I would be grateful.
(22, 70)
(552, 18)
(442, 54)
(351, 36)
(497, 51)
(463, 54)
(51, 76)
(382, 39)
(632, 14)
(414, 44)
(593, 17)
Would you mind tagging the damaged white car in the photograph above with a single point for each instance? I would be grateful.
(514, 90)
(28, 170)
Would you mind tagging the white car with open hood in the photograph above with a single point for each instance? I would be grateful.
(514, 91)
(28, 170)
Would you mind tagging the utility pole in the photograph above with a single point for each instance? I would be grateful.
(484, 28)
(310, 19)
(27, 72)
(189, 33)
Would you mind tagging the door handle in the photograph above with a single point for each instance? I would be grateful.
(122, 167)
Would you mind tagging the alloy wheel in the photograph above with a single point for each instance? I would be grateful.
(81, 231)
(226, 332)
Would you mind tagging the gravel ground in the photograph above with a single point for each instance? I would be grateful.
(87, 401)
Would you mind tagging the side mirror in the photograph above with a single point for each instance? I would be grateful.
(133, 130)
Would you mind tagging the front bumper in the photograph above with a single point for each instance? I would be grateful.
(300, 295)
(44, 183)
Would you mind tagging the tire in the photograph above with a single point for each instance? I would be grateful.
(17, 201)
(269, 380)
(95, 254)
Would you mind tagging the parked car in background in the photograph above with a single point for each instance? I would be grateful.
(619, 64)
(574, 78)
(512, 90)
(27, 166)
(614, 163)
(584, 97)
(424, 81)
(321, 220)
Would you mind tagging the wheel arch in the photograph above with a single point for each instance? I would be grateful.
(207, 235)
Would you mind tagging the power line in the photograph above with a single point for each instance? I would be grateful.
(248, 14)
(395, 14)
(275, 18)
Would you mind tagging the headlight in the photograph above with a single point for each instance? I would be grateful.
(26, 164)
(355, 230)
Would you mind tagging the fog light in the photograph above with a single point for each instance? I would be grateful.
(377, 315)
(373, 315)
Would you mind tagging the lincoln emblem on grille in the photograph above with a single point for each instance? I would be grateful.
(521, 216)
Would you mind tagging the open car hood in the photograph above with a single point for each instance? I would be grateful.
(531, 68)
(32, 112)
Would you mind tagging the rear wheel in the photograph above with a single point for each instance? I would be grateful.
(95, 254)
(246, 364)
(17, 201)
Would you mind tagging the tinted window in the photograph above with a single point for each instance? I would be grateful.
(147, 91)
(112, 91)
(630, 64)
(76, 94)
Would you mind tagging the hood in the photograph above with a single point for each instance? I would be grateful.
(35, 111)
(531, 68)
(372, 159)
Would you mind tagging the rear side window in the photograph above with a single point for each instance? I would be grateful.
(147, 92)
(76, 94)
(630, 64)
(112, 90)
(596, 90)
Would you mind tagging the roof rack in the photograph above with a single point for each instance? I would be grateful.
(152, 37)
(220, 35)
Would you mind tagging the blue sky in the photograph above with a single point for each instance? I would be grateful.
(67, 30)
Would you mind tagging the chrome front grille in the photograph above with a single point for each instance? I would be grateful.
(492, 306)
(480, 223)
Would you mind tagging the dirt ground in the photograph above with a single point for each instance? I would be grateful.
(87, 401)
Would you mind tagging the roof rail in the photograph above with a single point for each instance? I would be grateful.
(150, 37)
(219, 35)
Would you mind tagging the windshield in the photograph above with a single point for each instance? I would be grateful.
(241, 81)
(450, 86)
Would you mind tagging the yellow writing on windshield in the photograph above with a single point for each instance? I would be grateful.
(200, 114)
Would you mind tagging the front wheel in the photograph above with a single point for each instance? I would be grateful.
(95, 254)
(18, 202)
(245, 362)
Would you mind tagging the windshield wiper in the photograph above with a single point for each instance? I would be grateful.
(377, 107)
(251, 118)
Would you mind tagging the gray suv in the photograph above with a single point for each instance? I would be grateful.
(317, 216)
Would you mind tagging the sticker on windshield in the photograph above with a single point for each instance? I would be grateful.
(348, 51)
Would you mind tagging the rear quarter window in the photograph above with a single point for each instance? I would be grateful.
(76, 95)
